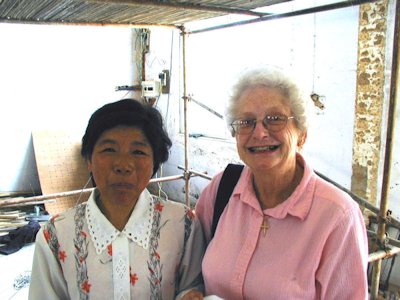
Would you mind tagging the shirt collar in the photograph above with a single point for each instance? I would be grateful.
(137, 229)
(298, 204)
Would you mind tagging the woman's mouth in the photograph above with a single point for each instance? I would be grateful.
(122, 186)
(263, 148)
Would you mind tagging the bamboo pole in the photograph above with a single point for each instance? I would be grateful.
(390, 135)
(390, 241)
(382, 254)
(124, 25)
(185, 119)
(184, 6)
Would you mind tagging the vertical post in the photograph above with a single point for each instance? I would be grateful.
(388, 154)
(185, 119)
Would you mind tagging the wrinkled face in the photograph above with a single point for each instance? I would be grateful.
(263, 149)
(122, 165)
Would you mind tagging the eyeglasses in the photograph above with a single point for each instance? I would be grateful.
(272, 123)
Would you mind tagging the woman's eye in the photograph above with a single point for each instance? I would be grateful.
(246, 122)
(108, 149)
(138, 152)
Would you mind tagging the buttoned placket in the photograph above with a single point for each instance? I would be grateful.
(120, 263)
(245, 255)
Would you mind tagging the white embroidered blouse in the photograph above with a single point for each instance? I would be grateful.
(80, 255)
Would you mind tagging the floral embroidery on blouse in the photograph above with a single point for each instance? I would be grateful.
(62, 255)
(50, 235)
(159, 207)
(109, 249)
(188, 220)
(86, 286)
(133, 277)
(81, 253)
(154, 263)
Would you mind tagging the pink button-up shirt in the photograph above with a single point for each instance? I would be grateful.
(315, 248)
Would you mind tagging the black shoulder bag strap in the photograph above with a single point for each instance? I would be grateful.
(228, 182)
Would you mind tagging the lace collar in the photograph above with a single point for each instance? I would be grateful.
(138, 227)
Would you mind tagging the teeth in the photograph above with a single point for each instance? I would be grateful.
(264, 148)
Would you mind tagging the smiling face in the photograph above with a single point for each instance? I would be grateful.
(122, 165)
(262, 149)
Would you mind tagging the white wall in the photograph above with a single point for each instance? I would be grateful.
(54, 77)
(214, 58)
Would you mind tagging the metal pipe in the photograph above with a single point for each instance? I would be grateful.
(286, 15)
(390, 135)
(12, 201)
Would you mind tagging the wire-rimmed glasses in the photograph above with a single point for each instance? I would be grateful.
(272, 123)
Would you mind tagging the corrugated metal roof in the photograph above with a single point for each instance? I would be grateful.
(124, 12)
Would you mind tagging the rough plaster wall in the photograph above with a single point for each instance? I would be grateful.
(369, 99)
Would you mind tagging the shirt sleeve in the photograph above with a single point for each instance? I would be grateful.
(47, 279)
(205, 206)
(345, 252)
(190, 267)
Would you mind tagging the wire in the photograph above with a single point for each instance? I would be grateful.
(84, 187)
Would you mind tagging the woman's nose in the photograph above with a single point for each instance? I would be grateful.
(260, 129)
(123, 165)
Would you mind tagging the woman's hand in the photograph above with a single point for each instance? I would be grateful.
(193, 295)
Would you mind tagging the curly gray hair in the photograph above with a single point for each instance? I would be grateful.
(272, 78)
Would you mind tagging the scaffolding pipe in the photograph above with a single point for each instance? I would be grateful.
(362, 202)
(13, 201)
(197, 173)
(382, 254)
(185, 118)
(390, 135)
(301, 12)
(389, 240)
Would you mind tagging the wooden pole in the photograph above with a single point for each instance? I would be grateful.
(185, 120)
(390, 135)
(19, 200)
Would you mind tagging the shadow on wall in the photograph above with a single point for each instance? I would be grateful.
(27, 180)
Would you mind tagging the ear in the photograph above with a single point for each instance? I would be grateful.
(89, 166)
(302, 139)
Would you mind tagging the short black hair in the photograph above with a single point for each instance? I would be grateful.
(132, 113)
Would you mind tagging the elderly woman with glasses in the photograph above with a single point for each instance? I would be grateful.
(285, 233)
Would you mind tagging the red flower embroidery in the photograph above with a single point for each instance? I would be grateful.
(84, 233)
(159, 207)
(62, 255)
(86, 286)
(134, 278)
(157, 255)
(47, 235)
(109, 249)
(190, 214)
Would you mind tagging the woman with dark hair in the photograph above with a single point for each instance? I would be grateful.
(123, 243)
